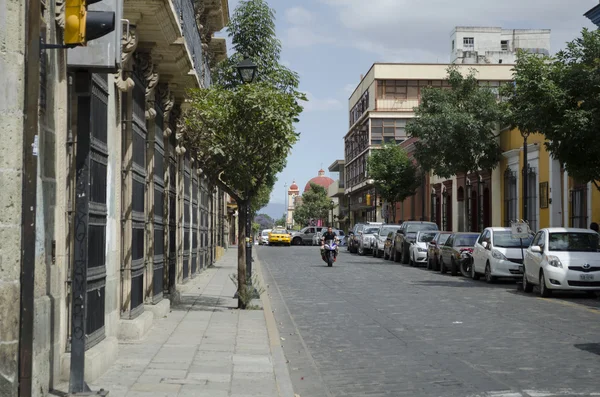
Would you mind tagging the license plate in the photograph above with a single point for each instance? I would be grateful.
(586, 277)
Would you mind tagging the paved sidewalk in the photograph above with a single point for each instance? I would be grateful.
(204, 348)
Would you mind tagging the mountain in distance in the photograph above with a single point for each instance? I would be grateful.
(274, 210)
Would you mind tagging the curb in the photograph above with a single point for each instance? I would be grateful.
(282, 374)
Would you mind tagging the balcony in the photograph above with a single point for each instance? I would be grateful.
(397, 105)
(336, 189)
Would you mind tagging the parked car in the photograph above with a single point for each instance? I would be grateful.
(406, 235)
(279, 237)
(562, 259)
(263, 239)
(367, 238)
(433, 250)
(389, 245)
(418, 249)
(381, 238)
(451, 250)
(354, 236)
(498, 254)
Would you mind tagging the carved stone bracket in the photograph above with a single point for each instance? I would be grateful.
(59, 13)
(129, 43)
(151, 82)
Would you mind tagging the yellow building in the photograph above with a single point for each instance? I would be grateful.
(555, 199)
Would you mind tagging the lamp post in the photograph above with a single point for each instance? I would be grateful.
(247, 72)
(332, 205)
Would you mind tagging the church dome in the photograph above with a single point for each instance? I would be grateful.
(294, 187)
(320, 180)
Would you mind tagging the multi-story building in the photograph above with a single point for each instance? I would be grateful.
(476, 45)
(123, 214)
(339, 215)
(380, 107)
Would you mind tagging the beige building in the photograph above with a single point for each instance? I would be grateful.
(381, 105)
(123, 214)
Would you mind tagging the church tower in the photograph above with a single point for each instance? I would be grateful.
(293, 192)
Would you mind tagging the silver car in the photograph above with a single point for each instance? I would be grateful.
(380, 237)
(367, 238)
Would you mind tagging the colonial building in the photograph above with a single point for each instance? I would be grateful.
(124, 216)
(294, 199)
(380, 107)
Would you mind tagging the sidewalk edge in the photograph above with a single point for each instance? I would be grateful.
(280, 367)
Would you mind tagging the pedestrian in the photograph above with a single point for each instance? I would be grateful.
(594, 226)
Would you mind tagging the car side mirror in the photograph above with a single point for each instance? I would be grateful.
(537, 249)
(485, 245)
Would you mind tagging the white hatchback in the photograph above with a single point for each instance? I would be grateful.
(563, 259)
(418, 249)
(498, 254)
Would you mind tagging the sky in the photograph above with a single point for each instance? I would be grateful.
(330, 43)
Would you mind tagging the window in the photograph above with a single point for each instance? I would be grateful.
(453, 45)
(469, 42)
(579, 206)
(574, 242)
(504, 239)
(504, 45)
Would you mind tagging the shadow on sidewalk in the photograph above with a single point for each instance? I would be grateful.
(202, 304)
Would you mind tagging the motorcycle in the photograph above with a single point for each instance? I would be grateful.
(466, 261)
(329, 252)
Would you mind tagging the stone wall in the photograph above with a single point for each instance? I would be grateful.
(12, 44)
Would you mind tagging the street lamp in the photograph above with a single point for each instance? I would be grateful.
(332, 205)
(246, 70)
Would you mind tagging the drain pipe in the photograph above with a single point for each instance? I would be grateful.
(29, 194)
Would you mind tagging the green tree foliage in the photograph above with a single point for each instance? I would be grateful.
(396, 177)
(457, 127)
(316, 205)
(560, 98)
(241, 134)
(281, 221)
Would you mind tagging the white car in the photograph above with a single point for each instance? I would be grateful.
(380, 237)
(264, 237)
(563, 259)
(418, 248)
(367, 238)
(498, 254)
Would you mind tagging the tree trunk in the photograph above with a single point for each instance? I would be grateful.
(242, 218)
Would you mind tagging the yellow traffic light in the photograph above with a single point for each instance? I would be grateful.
(368, 199)
(82, 25)
(75, 22)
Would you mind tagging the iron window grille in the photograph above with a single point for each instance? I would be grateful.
(579, 205)
(510, 196)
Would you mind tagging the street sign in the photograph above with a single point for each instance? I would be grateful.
(520, 230)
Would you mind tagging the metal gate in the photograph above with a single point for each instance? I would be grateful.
(203, 223)
(186, 216)
(172, 253)
(89, 254)
(138, 200)
(159, 202)
(194, 221)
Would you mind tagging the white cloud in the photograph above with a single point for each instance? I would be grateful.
(299, 16)
(315, 104)
(418, 31)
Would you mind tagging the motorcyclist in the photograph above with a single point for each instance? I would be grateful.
(329, 235)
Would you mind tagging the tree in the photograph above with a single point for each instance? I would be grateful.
(560, 98)
(396, 177)
(241, 134)
(264, 220)
(281, 221)
(315, 205)
(457, 127)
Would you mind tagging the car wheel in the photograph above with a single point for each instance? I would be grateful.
(527, 286)
(544, 291)
(361, 251)
(411, 261)
(386, 256)
(405, 256)
(474, 274)
(429, 265)
(395, 256)
(374, 252)
(453, 268)
(488, 274)
(442, 266)
(297, 241)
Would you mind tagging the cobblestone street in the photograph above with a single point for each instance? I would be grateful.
(369, 327)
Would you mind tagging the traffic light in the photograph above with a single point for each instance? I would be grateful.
(82, 25)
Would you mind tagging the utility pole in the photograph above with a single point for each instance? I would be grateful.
(29, 193)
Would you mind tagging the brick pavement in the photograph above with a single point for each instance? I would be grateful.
(368, 327)
(203, 348)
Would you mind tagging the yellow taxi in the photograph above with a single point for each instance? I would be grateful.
(280, 236)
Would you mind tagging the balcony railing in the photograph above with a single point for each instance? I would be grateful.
(187, 18)
(401, 105)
